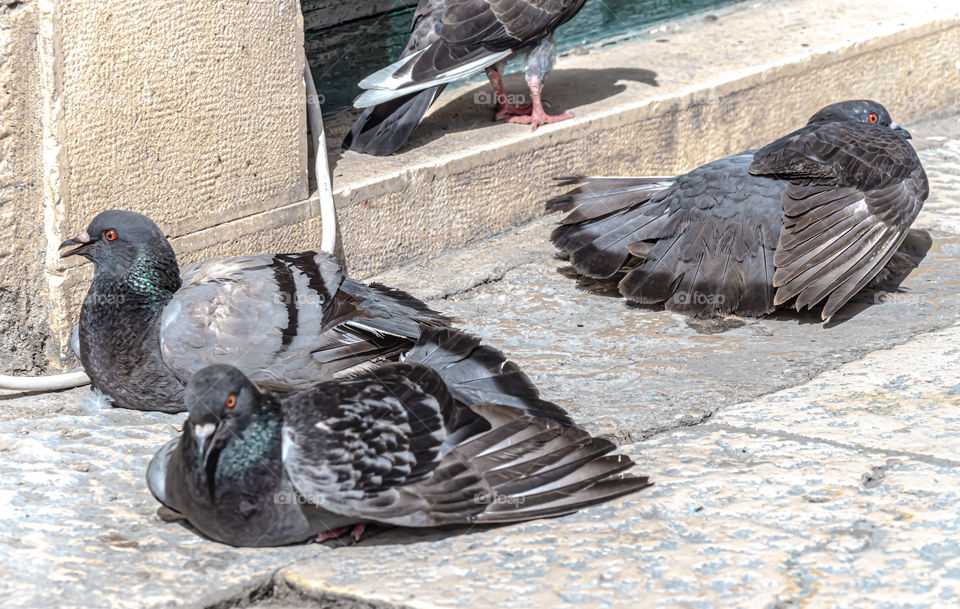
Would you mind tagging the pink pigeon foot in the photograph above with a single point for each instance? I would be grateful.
(355, 532)
(537, 116)
(504, 107)
(506, 110)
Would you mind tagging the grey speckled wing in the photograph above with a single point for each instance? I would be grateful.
(354, 446)
(475, 373)
(503, 24)
(814, 216)
(392, 446)
(386, 447)
(288, 320)
(424, 30)
(854, 191)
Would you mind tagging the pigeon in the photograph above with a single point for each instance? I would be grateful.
(808, 219)
(455, 39)
(406, 444)
(288, 321)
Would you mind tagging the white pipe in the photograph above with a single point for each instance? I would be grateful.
(54, 382)
(329, 240)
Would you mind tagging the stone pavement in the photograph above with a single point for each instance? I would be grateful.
(796, 465)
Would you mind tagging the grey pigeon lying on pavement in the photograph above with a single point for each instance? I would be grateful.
(411, 444)
(812, 217)
(287, 320)
(455, 39)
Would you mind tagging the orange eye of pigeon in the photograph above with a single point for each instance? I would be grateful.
(874, 117)
(231, 401)
(110, 235)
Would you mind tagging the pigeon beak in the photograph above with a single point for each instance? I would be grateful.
(205, 435)
(903, 132)
(83, 240)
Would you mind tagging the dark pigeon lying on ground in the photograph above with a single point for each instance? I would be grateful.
(455, 39)
(286, 320)
(413, 444)
(812, 217)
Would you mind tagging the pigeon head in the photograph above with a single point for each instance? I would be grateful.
(121, 243)
(858, 110)
(221, 401)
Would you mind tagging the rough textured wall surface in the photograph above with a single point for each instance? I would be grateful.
(23, 303)
(192, 113)
(189, 112)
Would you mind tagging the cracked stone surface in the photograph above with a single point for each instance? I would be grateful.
(796, 464)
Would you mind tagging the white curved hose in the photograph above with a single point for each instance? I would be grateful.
(330, 226)
(54, 382)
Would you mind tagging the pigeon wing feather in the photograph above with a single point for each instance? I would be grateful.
(855, 190)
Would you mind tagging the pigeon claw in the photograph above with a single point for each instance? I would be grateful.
(508, 109)
(355, 531)
(535, 119)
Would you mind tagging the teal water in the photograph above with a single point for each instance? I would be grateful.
(342, 54)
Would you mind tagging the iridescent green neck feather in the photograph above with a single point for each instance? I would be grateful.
(252, 452)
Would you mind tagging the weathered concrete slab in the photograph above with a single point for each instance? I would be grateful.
(81, 527)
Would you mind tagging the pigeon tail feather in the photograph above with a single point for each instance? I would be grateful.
(543, 470)
(397, 80)
(382, 129)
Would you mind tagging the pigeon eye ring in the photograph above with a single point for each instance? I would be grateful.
(873, 118)
(231, 401)
(110, 234)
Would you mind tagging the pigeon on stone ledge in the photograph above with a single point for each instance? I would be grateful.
(287, 320)
(402, 445)
(455, 39)
(812, 217)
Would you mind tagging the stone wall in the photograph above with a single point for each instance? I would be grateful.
(24, 301)
(192, 113)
